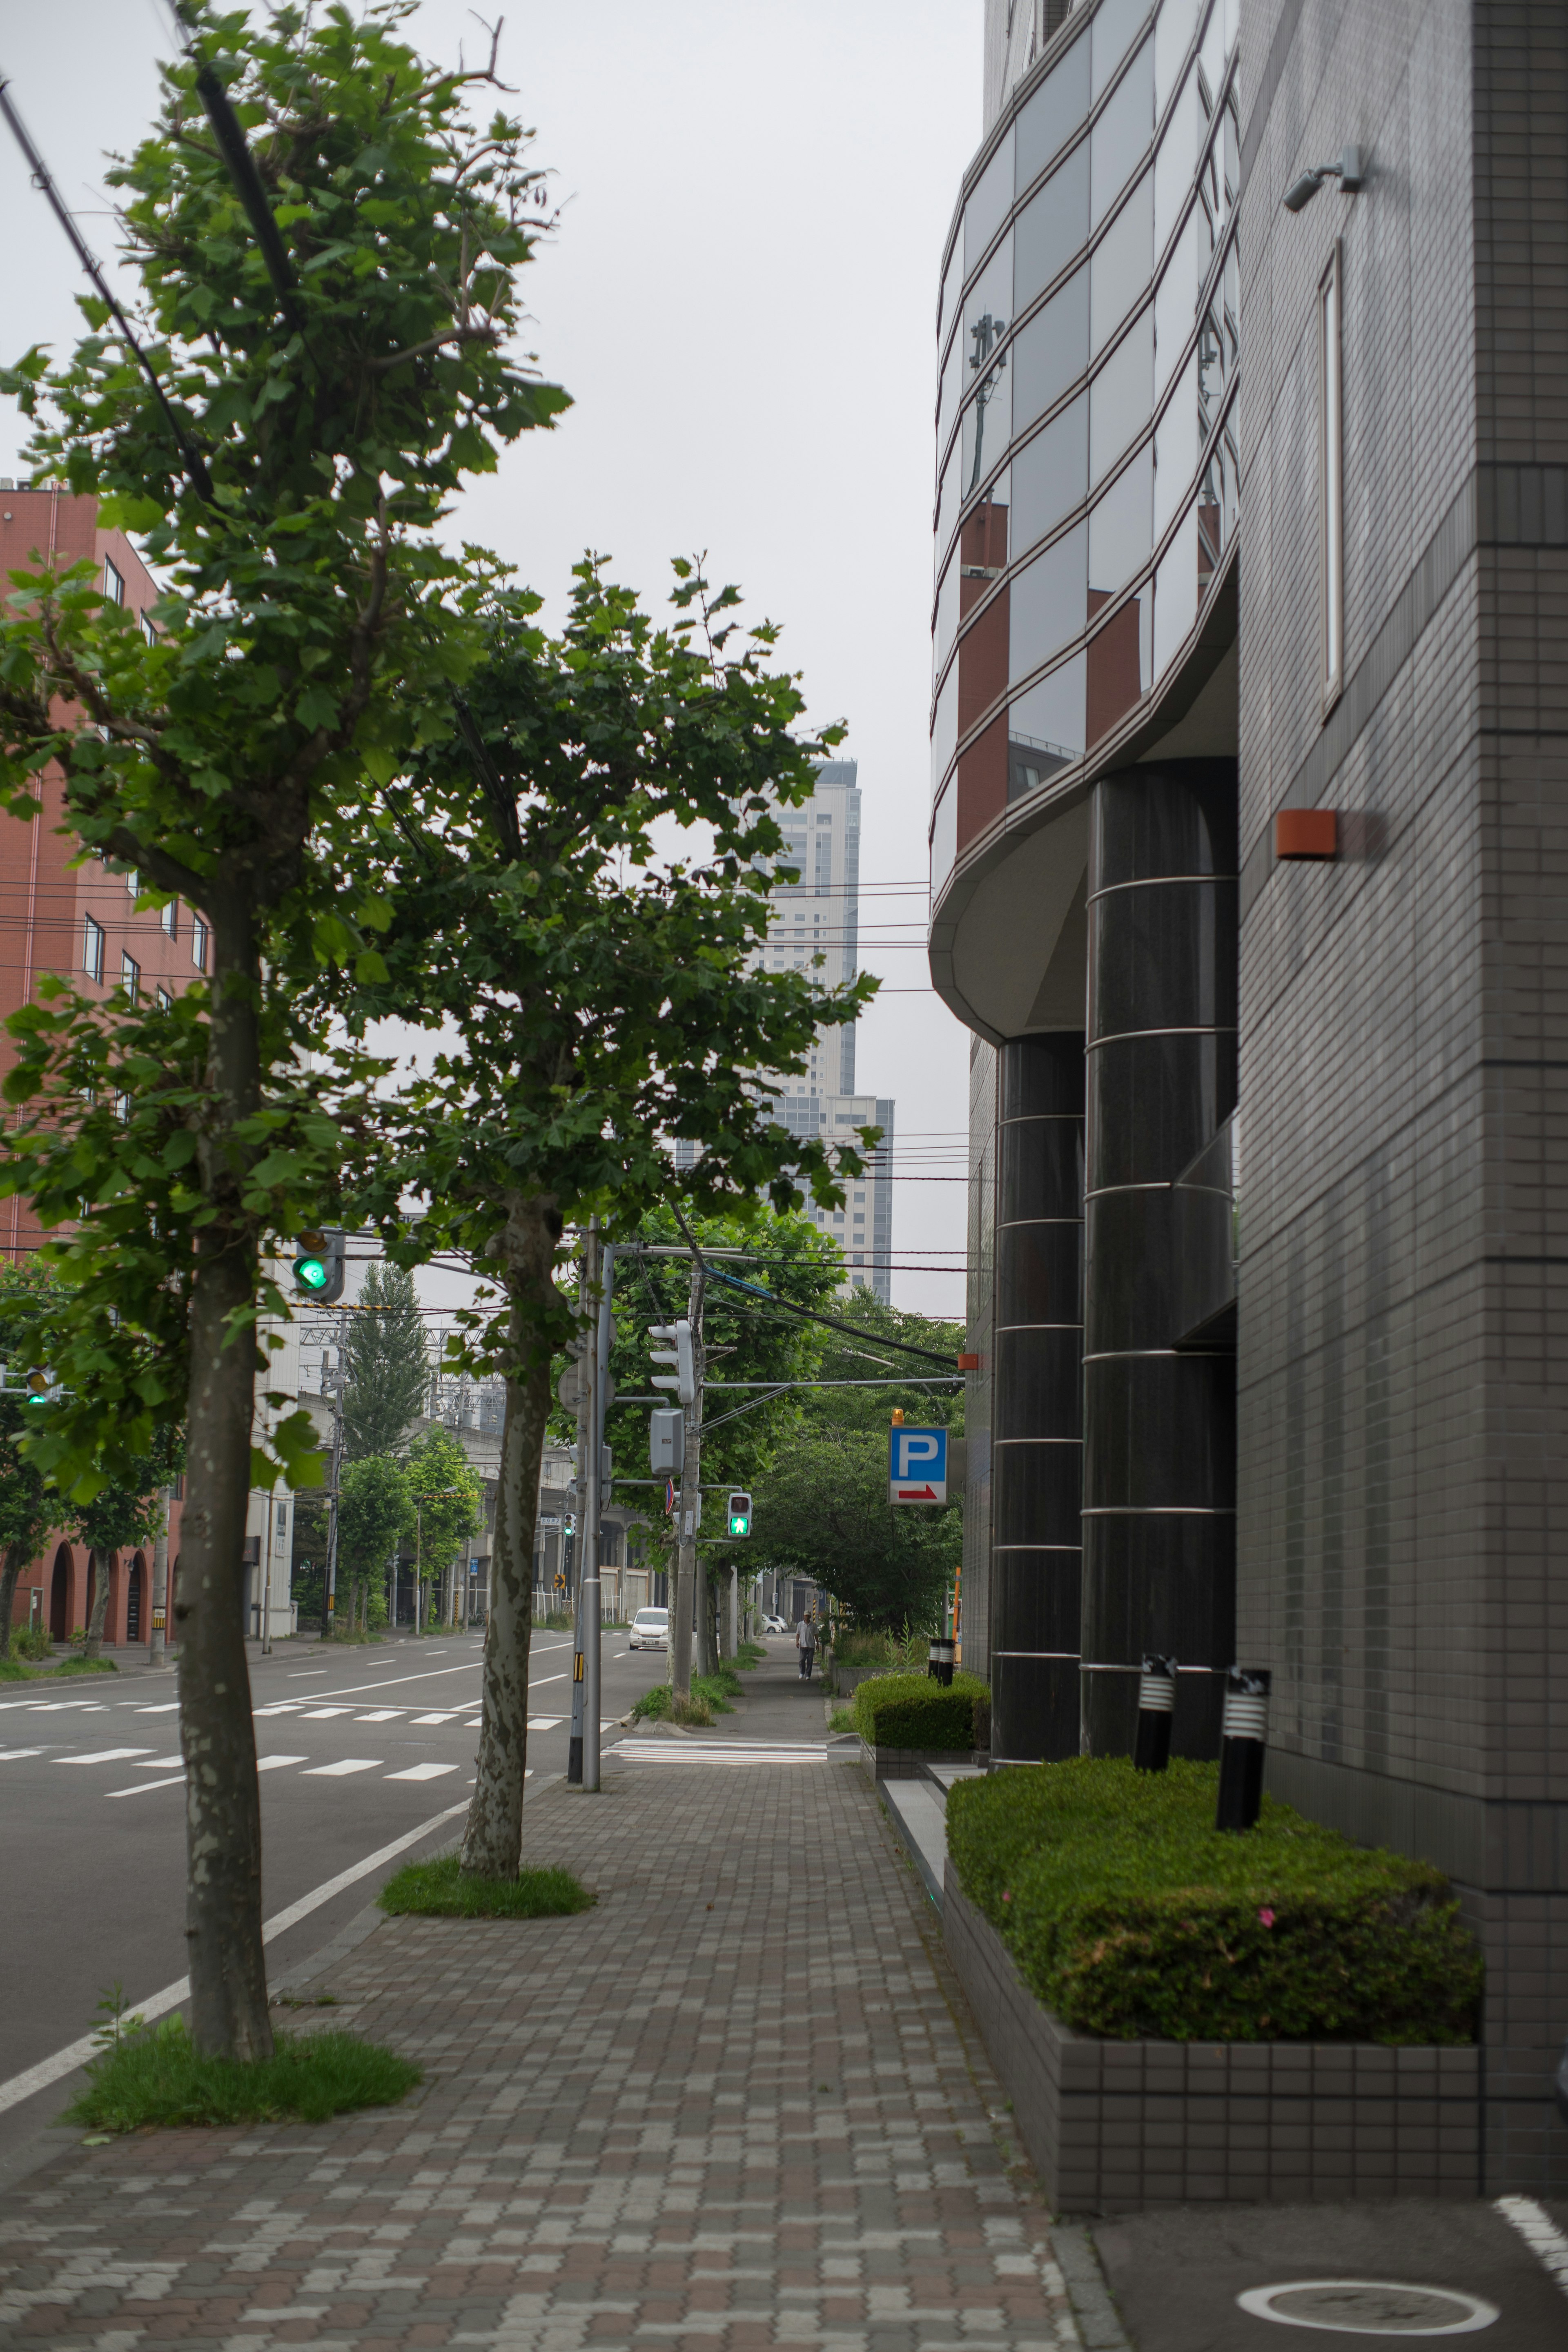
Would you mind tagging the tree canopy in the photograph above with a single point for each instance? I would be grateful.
(387, 1369)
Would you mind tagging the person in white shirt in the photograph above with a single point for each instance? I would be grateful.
(806, 1644)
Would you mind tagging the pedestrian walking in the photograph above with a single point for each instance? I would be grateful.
(806, 1644)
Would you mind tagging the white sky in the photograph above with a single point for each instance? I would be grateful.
(741, 302)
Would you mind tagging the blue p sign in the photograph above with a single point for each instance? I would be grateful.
(916, 1465)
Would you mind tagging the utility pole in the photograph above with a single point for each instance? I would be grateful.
(689, 1507)
(330, 1597)
(158, 1638)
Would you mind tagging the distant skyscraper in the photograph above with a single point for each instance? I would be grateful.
(819, 917)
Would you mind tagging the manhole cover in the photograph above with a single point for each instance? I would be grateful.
(1369, 2307)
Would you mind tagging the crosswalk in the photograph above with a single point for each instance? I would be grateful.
(695, 1750)
(298, 1710)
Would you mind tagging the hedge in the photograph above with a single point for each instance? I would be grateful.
(915, 1711)
(1129, 1915)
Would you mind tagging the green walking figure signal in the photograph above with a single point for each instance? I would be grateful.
(740, 1515)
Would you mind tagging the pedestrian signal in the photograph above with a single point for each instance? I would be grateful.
(740, 1515)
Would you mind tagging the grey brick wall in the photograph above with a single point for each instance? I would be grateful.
(1403, 1485)
(977, 1387)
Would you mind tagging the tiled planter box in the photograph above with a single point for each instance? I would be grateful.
(909, 1763)
(1116, 2126)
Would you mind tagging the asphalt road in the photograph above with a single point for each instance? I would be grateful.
(357, 1747)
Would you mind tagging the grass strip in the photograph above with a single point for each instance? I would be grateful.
(441, 1890)
(13, 1670)
(159, 2077)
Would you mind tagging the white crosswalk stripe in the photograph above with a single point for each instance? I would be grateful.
(422, 1772)
(637, 1751)
(102, 1755)
(344, 1765)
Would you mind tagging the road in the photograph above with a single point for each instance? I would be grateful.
(357, 1747)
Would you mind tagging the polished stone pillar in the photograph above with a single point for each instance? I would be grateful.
(1036, 1425)
(1159, 1501)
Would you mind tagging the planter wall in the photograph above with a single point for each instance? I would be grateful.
(1117, 2126)
(909, 1763)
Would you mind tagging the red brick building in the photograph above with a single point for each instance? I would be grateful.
(80, 921)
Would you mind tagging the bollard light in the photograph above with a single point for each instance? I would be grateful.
(1156, 1709)
(1243, 1739)
(942, 1658)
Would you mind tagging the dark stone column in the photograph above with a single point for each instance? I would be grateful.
(1159, 1503)
(1037, 1422)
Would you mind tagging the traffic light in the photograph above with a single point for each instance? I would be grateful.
(740, 1515)
(319, 1267)
(680, 1355)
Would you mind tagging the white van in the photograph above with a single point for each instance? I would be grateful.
(650, 1629)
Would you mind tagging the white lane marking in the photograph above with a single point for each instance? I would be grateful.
(422, 1772)
(1539, 2233)
(169, 1780)
(158, 2004)
(344, 1765)
(447, 1717)
(11, 1755)
(163, 1764)
(320, 1714)
(545, 1722)
(382, 1715)
(275, 1763)
(279, 1706)
(543, 1679)
(391, 1681)
(102, 1755)
(169, 1706)
(473, 1724)
(303, 1674)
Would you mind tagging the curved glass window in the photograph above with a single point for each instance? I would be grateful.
(1048, 602)
(988, 419)
(1176, 446)
(1048, 720)
(988, 207)
(951, 284)
(1051, 351)
(945, 628)
(1175, 299)
(1121, 396)
(1115, 22)
(1053, 114)
(944, 838)
(1176, 594)
(954, 376)
(1119, 529)
(1120, 269)
(1173, 32)
(1051, 227)
(944, 729)
(1119, 139)
(1051, 474)
(1177, 159)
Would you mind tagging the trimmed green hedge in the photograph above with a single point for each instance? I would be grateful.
(1129, 1915)
(914, 1711)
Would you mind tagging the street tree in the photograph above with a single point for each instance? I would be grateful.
(594, 958)
(376, 1510)
(446, 1503)
(825, 1510)
(387, 1370)
(28, 1508)
(331, 327)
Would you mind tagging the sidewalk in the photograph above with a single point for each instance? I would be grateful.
(731, 2103)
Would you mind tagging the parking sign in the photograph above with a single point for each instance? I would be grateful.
(916, 1465)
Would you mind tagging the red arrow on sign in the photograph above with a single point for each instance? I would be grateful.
(917, 1493)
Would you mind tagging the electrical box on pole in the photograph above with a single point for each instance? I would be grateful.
(321, 1267)
(667, 1440)
(681, 1354)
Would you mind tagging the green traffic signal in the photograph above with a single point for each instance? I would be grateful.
(319, 1267)
(311, 1274)
(740, 1515)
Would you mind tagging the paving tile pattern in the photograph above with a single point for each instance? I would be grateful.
(738, 2105)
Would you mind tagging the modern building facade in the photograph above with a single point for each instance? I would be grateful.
(1249, 801)
(815, 926)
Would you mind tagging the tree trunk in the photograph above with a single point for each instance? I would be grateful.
(223, 1812)
(104, 1563)
(15, 1562)
(492, 1836)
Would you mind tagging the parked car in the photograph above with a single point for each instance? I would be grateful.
(774, 1625)
(650, 1629)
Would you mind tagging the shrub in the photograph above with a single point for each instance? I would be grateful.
(1129, 1914)
(159, 2077)
(914, 1711)
(439, 1890)
(657, 1705)
(31, 1642)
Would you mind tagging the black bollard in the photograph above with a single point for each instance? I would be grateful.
(1243, 1739)
(941, 1659)
(933, 1660)
(1156, 1707)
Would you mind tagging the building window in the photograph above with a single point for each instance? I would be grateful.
(165, 1000)
(148, 630)
(91, 948)
(130, 883)
(1331, 475)
(113, 585)
(170, 920)
(198, 943)
(130, 976)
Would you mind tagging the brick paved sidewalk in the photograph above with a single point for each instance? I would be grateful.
(731, 2106)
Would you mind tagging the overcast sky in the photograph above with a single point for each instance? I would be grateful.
(741, 301)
